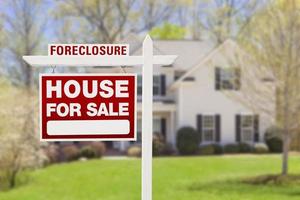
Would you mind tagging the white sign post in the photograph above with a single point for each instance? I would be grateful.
(147, 60)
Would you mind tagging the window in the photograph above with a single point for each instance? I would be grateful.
(208, 128)
(227, 78)
(156, 125)
(139, 131)
(247, 128)
(139, 85)
(156, 86)
(156, 128)
(157, 90)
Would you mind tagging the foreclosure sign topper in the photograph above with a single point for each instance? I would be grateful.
(88, 107)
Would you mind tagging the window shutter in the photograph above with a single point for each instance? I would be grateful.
(217, 78)
(163, 128)
(237, 79)
(163, 84)
(238, 128)
(199, 126)
(218, 128)
(256, 128)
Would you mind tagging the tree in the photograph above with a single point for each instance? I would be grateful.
(19, 150)
(151, 13)
(107, 21)
(221, 19)
(168, 31)
(93, 20)
(24, 29)
(272, 45)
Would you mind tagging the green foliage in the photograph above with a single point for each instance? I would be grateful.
(245, 148)
(232, 148)
(273, 132)
(275, 144)
(87, 152)
(218, 149)
(168, 32)
(211, 177)
(187, 141)
(207, 150)
(273, 139)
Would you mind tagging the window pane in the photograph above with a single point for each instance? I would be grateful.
(156, 85)
(208, 135)
(247, 121)
(139, 90)
(155, 90)
(247, 127)
(208, 121)
(247, 135)
(228, 78)
(139, 80)
(156, 126)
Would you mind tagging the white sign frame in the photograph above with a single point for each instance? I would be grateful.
(147, 60)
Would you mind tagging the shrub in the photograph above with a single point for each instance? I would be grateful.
(207, 149)
(273, 132)
(218, 149)
(187, 140)
(160, 147)
(52, 153)
(99, 148)
(274, 144)
(273, 139)
(71, 152)
(87, 152)
(232, 148)
(168, 149)
(261, 148)
(245, 148)
(134, 151)
(158, 144)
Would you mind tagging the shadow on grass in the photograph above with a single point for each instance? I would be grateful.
(268, 185)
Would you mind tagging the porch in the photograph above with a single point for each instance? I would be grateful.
(163, 123)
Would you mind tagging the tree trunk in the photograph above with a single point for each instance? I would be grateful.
(12, 180)
(285, 153)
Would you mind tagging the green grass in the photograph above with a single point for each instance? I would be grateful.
(191, 178)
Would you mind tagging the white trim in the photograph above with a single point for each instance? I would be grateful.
(92, 61)
(202, 62)
(147, 118)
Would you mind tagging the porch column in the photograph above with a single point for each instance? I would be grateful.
(172, 129)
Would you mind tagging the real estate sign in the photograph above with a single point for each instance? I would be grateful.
(88, 107)
(98, 107)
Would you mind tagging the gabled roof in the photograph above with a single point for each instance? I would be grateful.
(227, 43)
(190, 52)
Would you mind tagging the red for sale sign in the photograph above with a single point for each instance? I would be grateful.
(87, 107)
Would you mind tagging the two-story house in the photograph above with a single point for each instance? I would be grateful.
(191, 92)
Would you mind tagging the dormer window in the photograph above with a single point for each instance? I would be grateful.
(227, 78)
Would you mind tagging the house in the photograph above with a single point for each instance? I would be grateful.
(194, 92)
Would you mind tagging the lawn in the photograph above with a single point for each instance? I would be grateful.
(179, 178)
